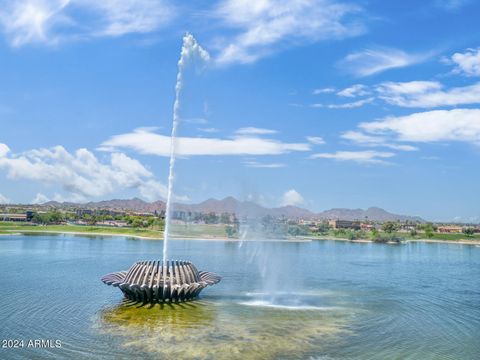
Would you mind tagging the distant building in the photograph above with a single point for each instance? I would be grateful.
(407, 227)
(13, 217)
(368, 227)
(344, 224)
(82, 212)
(450, 229)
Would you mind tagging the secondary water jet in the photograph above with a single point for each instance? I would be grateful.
(167, 280)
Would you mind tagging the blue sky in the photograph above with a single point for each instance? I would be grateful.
(316, 103)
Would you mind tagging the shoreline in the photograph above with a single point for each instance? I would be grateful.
(218, 238)
(367, 241)
(226, 239)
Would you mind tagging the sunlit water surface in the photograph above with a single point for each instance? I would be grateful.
(309, 300)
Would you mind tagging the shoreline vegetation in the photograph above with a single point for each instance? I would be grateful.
(216, 232)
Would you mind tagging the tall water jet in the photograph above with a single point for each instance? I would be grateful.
(191, 50)
(155, 281)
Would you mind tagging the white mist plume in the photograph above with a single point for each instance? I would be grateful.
(191, 52)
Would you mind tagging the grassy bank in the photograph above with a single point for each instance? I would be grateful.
(420, 236)
(214, 231)
(188, 231)
(19, 227)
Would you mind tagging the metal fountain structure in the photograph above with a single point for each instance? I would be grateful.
(156, 282)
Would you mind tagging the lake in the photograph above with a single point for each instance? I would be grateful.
(277, 300)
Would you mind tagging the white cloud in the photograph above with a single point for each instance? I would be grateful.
(327, 90)
(208, 130)
(362, 157)
(122, 17)
(148, 142)
(4, 199)
(153, 190)
(362, 139)
(292, 197)
(265, 26)
(316, 140)
(354, 91)
(40, 199)
(372, 61)
(80, 174)
(350, 105)
(430, 126)
(254, 131)
(255, 164)
(52, 21)
(467, 63)
(4, 150)
(427, 94)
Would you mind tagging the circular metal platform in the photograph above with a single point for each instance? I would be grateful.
(155, 282)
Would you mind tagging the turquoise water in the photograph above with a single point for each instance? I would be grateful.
(309, 300)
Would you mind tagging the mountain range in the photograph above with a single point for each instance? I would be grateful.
(241, 208)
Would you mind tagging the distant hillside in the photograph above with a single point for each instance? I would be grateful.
(241, 208)
(372, 213)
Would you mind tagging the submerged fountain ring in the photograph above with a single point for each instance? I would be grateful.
(152, 281)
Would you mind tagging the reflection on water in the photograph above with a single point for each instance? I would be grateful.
(223, 330)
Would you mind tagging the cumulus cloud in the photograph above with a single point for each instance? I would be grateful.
(362, 157)
(363, 139)
(354, 91)
(410, 94)
(349, 105)
(467, 63)
(316, 140)
(426, 94)
(4, 150)
(327, 90)
(147, 142)
(40, 199)
(292, 197)
(262, 27)
(52, 21)
(430, 126)
(4, 199)
(372, 61)
(80, 174)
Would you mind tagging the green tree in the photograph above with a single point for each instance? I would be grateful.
(389, 227)
(231, 231)
(323, 228)
(428, 229)
(469, 231)
(225, 218)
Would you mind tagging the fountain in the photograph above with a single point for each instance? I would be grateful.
(156, 281)
(167, 280)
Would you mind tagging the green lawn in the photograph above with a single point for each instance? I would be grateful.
(176, 230)
(449, 237)
(198, 230)
(420, 235)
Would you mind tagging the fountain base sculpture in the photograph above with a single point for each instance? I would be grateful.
(155, 282)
